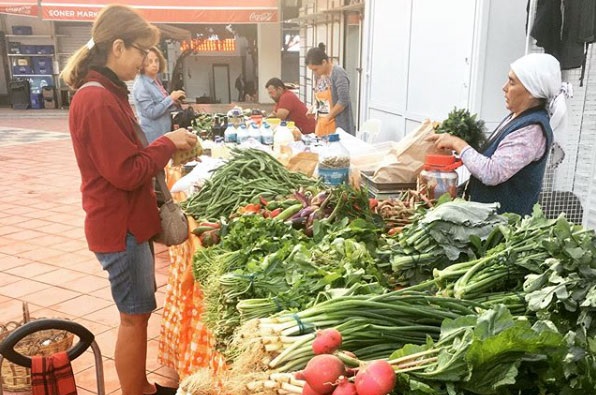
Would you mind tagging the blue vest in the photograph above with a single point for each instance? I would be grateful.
(520, 192)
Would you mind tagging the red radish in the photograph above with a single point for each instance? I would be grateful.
(307, 390)
(300, 375)
(327, 341)
(322, 371)
(345, 387)
(376, 378)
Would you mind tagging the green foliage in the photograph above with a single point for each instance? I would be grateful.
(462, 124)
(485, 354)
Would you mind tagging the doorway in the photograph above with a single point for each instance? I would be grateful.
(352, 50)
(221, 83)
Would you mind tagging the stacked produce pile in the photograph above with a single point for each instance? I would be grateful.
(459, 301)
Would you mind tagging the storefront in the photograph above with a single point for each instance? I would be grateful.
(67, 26)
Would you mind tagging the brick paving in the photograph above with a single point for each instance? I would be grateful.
(44, 258)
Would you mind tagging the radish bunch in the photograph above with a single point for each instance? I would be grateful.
(327, 341)
(326, 374)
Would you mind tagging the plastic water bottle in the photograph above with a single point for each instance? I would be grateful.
(230, 134)
(266, 134)
(283, 137)
(241, 134)
(334, 162)
(254, 132)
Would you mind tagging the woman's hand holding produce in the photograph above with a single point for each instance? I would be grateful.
(447, 141)
(178, 95)
(182, 139)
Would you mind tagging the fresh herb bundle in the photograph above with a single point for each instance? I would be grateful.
(462, 124)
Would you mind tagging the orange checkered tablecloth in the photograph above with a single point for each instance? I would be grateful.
(185, 343)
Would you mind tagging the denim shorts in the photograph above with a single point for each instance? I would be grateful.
(132, 277)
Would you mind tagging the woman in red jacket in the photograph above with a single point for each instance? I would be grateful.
(116, 177)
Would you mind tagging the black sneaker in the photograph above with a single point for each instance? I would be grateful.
(159, 390)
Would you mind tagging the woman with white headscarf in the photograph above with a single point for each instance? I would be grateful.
(509, 168)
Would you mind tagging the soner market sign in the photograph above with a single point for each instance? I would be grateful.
(166, 11)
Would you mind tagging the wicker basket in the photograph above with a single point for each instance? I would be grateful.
(16, 378)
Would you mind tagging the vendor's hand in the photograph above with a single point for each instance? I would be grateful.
(182, 139)
(178, 95)
(447, 141)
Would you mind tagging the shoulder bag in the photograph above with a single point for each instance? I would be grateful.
(174, 224)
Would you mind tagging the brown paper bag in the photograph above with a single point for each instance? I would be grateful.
(409, 153)
(304, 162)
(396, 173)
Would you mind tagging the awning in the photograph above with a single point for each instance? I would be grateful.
(168, 11)
(173, 32)
(19, 7)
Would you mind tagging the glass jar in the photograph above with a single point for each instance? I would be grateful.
(439, 176)
(334, 162)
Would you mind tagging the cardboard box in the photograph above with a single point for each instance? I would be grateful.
(20, 70)
(14, 48)
(36, 100)
(44, 49)
(42, 65)
(29, 49)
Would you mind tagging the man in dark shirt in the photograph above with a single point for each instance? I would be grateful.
(289, 107)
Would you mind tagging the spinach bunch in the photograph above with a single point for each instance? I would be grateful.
(485, 354)
(443, 235)
(565, 294)
(462, 124)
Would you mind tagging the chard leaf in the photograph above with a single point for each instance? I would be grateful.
(494, 361)
(575, 252)
(492, 322)
(590, 299)
(454, 327)
(535, 281)
(556, 278)
(542, 298)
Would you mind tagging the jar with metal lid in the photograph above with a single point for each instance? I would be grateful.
(334, 162)
(439, 176)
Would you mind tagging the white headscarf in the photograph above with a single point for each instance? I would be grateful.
(541, 75)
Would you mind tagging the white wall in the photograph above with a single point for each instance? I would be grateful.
(198, 74)
(423, 58)
(505, 33)
(269, 46)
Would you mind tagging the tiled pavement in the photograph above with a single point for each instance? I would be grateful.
(44, 258)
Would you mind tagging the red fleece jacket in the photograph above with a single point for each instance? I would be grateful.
(116, 170)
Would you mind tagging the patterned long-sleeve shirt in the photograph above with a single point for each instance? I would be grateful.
(516, 151)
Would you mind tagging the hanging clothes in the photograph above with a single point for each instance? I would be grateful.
(565, 30)
(547, 25)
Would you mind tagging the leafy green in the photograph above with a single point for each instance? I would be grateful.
(441, 236)
(483, 354)
(462, 124)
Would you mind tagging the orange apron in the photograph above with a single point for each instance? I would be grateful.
(324, 103)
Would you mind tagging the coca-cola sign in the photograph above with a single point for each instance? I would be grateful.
(261, 16)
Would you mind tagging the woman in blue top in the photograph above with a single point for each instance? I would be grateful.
(151, 100)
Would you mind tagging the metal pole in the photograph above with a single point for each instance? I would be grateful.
(531, 15)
